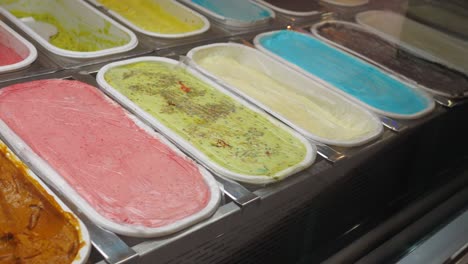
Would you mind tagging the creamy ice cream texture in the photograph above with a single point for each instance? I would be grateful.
(154, 16)
(243, 10)
(224, 130)
(76, 31)
(353, 76)
(433, 76)
(33, 227)
(323, 115)
(126, 174)
(8, 56)
(440, 46)
(8, 42)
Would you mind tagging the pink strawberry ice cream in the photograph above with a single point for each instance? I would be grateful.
(124, 172)
(8, 56)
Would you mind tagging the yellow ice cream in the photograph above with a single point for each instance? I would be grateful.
(329, 119)
(154, 16)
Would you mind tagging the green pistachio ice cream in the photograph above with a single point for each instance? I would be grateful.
(230, 134)
(69, 25)
(84, 38)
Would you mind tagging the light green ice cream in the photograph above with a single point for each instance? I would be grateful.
(79, 28)
(315, 113)
(226, 131)
(84, 38)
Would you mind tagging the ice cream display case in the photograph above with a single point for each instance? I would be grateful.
(279, 142)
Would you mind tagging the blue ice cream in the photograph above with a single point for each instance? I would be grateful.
(363, 81)
(243, 10)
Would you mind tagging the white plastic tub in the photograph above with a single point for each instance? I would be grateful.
(190, 148)
(53, 178)
(298, 83)
(171, 6)
(85, 243)
(236, 23)
(12, 40)
(73, 15)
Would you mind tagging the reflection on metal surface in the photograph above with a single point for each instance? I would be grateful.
(449, 102)
(445, 246)
(392, 124)
(109, 245)
(329, 153)
(155, 249)
(238, 193)
(460, 257)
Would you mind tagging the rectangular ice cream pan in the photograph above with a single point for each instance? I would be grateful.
(417, 51)
(352, 98)
(80, 12)
(187, 146)
(278, 71)
(231, 23)
(315, 27)
(172, 7)
(85, 244)
(286, 11)
(12, 40)
(52, 177)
